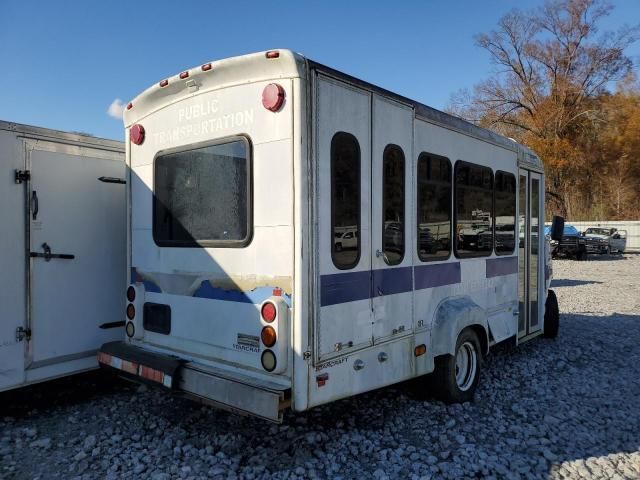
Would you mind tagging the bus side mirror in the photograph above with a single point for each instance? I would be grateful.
(557, 227)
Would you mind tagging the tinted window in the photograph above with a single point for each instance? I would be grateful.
(505, 213)
(345, 200)
(393, 204)
(202, 196)
(434, 207)
(474, 207)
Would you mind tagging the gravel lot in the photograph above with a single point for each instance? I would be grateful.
(568, 408)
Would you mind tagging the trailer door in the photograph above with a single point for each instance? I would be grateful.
(343, 160)
(392, 219)
(77, 252)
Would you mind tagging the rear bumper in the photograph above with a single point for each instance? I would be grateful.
(240, 394)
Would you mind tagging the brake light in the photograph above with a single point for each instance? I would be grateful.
(268, 312)
(136, 133)
(273, 97)
(131, 294)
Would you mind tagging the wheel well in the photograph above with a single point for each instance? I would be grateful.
(482, 336)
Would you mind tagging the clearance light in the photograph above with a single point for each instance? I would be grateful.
(272, 54)
(129, 106)
(268, 360)
(130, 329)
(131, 294)
(164, 83)
(206, 67)
(131, 311)
(273, 97)
(268, 312)
(136, 133)
(268, 336)
(420, 350)
(184, 75)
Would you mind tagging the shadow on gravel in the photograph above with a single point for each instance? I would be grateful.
(63, 392)
(566, 282)
(605, 258)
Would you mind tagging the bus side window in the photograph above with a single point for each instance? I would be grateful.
(393, 204)
(345, 200)
(505, 213)
(473, 196)
(434, 207)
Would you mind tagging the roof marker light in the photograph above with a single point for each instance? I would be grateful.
(164, 83)
(206, 67)
(184, 75)
(129, 106)
(272, 54)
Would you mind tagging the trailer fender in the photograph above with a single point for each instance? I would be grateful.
(452, 316)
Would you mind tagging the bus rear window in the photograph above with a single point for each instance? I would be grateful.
(202, 196)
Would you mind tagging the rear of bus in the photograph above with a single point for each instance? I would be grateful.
(211, 196)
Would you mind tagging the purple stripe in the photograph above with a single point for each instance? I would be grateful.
(497, 267)
(429, 276)
(344, 287)
(393, 280)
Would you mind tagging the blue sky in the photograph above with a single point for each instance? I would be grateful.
(62, 63)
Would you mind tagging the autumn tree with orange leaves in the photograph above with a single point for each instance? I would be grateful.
(568, 92)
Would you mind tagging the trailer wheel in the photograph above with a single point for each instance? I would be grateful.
(456, 376)
(551, 316)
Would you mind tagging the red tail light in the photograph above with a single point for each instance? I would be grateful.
(136, 133)
(273, 97)
(131, 294)
(268, 312)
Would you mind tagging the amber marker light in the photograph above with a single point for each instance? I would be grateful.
(268, 336)
(420, 350)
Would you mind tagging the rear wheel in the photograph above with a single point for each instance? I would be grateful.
(551, 316)
(456, 376)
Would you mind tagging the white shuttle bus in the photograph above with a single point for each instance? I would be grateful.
(297, 236)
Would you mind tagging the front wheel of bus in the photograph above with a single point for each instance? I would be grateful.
(456, 376)
(551, 316)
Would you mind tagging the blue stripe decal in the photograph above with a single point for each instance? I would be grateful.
(344, 287)
(256, 296)
(497, 267)
(393, 280)
(429, 276)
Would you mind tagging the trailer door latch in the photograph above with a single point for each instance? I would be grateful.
(23, 334)
(22, 176)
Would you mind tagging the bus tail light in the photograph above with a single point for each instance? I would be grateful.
(268, 336)
(268, 312)
(273, 97)
(136, 133)
(131, 293)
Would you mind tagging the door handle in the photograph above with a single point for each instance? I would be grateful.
(380, 253)
(47, 255)
(34, 205)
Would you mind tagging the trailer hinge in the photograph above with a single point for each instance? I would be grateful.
(22, 176)
(23, 334)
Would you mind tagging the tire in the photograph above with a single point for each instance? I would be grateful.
(450, 383)
(551, 316)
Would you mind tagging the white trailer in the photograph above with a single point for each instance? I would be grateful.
(63, 244)
(297, 235)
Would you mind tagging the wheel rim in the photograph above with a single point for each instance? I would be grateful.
(466, 365)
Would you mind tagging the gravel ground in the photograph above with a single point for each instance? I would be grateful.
(568, 408)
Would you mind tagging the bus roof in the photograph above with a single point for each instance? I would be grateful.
(284, 63)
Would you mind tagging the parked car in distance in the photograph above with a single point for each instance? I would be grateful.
(618, 241)
(571, 245)
(597, 240)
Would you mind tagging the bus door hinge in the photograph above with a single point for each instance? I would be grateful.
(22, 176)
(23, 334)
